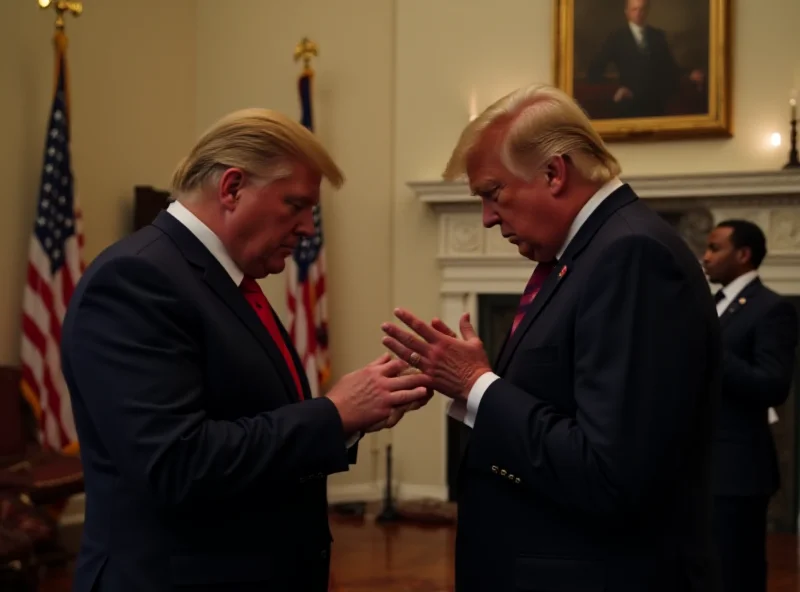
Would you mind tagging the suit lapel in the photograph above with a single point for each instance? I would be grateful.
(742, 299)
(542, 298)
(619, 198)
(221, 283)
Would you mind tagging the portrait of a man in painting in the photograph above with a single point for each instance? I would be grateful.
(646, 65)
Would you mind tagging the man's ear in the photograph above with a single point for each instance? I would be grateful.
(744, 255)
(556, 173)
(230, 183)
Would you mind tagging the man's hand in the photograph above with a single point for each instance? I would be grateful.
(453, 364)
(622, 94)
(398, 412)
(368, 396)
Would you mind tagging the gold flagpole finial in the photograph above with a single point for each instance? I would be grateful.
(305, 50)
(62, 6)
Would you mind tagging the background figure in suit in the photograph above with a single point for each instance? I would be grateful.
(205, 457)
(648, 73)
(588, 461)
(759, 337)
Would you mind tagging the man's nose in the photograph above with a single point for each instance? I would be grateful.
(489, 216)
(306, 225)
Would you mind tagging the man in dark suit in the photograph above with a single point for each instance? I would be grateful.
(648, 73)
(205, 456)
(588, 461)
(759, 339)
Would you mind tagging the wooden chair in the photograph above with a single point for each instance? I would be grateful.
(35, 483)
(44, 476)
(147, 203)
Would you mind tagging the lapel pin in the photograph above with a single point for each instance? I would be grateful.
(742, 300)
(563, 272)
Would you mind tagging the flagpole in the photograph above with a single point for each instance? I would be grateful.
(54, 261)
(306, 275)
(305, 50)
(61, 8)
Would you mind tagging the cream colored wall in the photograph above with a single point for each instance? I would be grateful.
(395, 82)
(394, 86)
(245, 59)
(132, 79)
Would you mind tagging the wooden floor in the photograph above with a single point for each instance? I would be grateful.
(368, 557)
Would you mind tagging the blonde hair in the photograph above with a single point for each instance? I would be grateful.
(543, 122)
(262, 142)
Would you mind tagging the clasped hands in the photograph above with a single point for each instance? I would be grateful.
(429, 358)
(451, 363)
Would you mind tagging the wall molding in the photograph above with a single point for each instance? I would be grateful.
(708, 187)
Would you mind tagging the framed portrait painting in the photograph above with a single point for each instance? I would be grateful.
(652, 69)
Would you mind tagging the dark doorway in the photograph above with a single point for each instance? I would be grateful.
(495, 315)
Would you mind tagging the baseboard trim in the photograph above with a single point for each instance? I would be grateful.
(75, 509)
(375, 491)
(356, 492)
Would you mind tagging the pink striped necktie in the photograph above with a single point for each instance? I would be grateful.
(538, 277)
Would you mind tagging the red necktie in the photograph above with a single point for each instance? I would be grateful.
(252, 291)
(534, 285)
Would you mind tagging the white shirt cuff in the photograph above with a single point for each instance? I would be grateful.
(772, 415)
(351, 441)
(466, 412)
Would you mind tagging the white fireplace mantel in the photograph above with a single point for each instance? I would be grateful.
(475, 260)
(782, 186)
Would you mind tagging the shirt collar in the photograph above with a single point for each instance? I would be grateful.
(208, 238)
(740, 283)
(588, 208)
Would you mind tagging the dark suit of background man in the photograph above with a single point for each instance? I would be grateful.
(759, 337)
(648, 73)
(205, 457)
(588, 461)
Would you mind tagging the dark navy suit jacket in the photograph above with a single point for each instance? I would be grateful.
(203, 469)
(588, 465)
(759, 336)
(652, 75)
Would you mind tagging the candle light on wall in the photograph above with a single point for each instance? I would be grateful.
(473, 106)
(794, 157)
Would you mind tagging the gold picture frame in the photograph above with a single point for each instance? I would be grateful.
(681, 79)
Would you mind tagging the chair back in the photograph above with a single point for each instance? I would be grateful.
(13, 443)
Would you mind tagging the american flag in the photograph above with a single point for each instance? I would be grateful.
(308, 314)
(54, 267)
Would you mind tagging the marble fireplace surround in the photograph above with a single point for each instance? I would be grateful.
(474, 260)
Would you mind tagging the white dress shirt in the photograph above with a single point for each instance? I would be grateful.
(208, 238)
(638, 34)
(211, 242)
(467, 412)
(730, 293)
